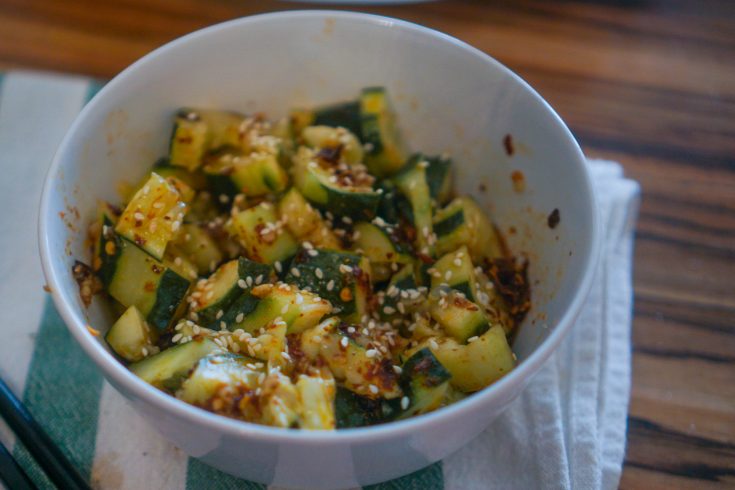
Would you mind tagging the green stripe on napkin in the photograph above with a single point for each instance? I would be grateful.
(200, 475)
(62, 392)
(429, 478)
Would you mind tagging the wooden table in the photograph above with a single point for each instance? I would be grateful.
(650, 83)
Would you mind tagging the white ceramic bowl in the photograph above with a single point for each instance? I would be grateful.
(449, 97)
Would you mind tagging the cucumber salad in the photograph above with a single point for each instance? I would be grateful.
(306, 273)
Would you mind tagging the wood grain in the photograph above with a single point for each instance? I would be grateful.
(650, 83)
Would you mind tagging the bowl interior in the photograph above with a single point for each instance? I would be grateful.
(449, 98)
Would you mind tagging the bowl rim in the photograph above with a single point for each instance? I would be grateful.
(120, 375)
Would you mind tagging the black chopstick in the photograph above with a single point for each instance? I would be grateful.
(48, 456)
(11, 474)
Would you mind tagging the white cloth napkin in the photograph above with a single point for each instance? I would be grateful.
(567, 430)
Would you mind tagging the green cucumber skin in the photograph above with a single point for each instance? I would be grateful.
(422, 370)
(353, 410)
(464, 288)
(109, 262)
(344, 114)
(356, 206)
(328, 261)
(222, 184)
(437, 173)
(247, 267)
(170, 293)
(245, 304)
(370, 126)
(449, 224)
(388, 208)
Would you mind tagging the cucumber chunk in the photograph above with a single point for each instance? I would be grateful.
(342, 190)
(317, 395)
(168, 369)
(382, 247)
(140, 280)
(455, 270)
(425, 382)
(253, 175)
(342, 278)
(213, 296)
(462, 222)
(153, 216)
(412, 183)
(477, 364)
(386, 153)
(223, 383)
(130, 335)
(262, 235)
(300, 310)
(438, 175)
(458, 316)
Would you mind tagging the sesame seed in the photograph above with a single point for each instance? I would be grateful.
(284, 309)
(219, 314)
(373, 389)
(177, 261)
(401, 308)
(144, 351)
(308, 245)
(472, 339)
(404, 402)
(224, 199)
(330, 285)
(242, 283)
(277, 265)
(398, 369)
(239, 317)
(370, 353)
(295, 272)
(249, 281)
(433, 344)
(344, 342)
(209, 295)
(448, 275)
(196, 329)
(388, 310)
(299, 298)
(175, 225)
(285, 356)
(259, 279)
(345, 269)
(318, 272)
(458, 262)
(222, 326)
(177, 337)
(350, 329)
(347, 220)
(138, 216)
